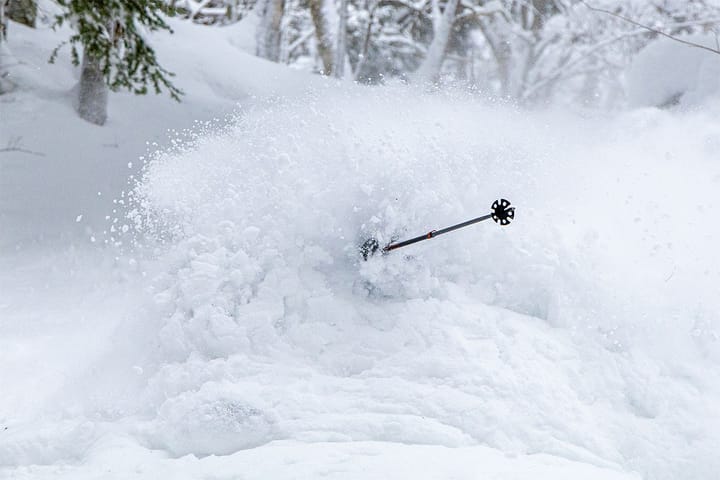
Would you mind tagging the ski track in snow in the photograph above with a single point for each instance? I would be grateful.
(233, 332)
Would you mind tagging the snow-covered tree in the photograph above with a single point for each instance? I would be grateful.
(410, 39)
(442, 23)
(321, 12)
(212, 12)
(341, 41)
(524, 50)
(115, 53)
(537, 46)
(269, 31)
(446, 23)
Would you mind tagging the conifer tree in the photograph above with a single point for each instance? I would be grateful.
(115, 54)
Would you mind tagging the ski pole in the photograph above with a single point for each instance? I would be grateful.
(501, 212)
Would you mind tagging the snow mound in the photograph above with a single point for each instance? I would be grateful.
(331, 460)
(556, 335)
(582, 338)
(214, 420)
(667, 73)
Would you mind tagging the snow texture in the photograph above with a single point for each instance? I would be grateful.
(668, 73)
(229, 329)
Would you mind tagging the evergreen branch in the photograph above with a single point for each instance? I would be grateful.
(108, 32)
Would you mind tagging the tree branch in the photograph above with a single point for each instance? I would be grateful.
(476, 13)
(564, 69)
(654, 30)
(13, 145)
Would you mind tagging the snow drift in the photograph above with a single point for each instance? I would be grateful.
(586, 330)
(570, 332)
(667, 73)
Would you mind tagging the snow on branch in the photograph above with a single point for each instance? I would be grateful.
(211, 12)
(660, 32)
(474, 12)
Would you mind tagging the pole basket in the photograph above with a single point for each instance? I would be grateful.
(502, 212)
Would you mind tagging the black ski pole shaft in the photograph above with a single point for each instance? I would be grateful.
(501, 212)
(435, 233)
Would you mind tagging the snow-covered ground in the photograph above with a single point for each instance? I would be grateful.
(221, 324)
(41, 191)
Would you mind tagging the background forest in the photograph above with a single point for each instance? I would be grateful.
(524, 51)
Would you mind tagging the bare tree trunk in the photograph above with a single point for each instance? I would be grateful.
(3, 20)
(23, 11)
(501, 49)
(290, 5)
(6, 57)
(429, 70)
(365, 53)
(269, 31)
(322, 34)
(340, 49)
(233, 11)
(504, 62)
(92, 92)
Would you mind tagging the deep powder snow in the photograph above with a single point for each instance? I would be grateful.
(243, 319)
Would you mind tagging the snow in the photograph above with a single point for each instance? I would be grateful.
(39, 192)
(223, 326)
(667, 71)
(356, 460)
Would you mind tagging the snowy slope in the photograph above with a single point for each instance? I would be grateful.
(335, 460)
(667, 72)
(42, 194)
(232, 332)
